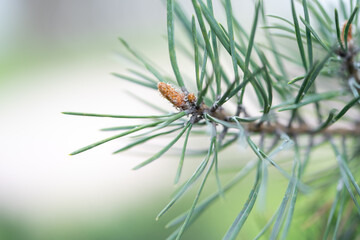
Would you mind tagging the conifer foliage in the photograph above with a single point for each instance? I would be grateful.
(268, 108)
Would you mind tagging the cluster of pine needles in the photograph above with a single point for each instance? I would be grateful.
(268, 108)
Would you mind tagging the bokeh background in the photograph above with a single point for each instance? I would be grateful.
(57, 55)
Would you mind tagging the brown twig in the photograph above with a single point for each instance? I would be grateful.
(302, 129)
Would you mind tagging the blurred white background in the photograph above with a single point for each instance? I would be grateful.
(56, 56)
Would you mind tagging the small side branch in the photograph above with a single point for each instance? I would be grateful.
(302, 129)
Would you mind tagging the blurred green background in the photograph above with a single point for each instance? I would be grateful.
(56, 55)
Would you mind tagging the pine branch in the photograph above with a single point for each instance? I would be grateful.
(327, 55)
